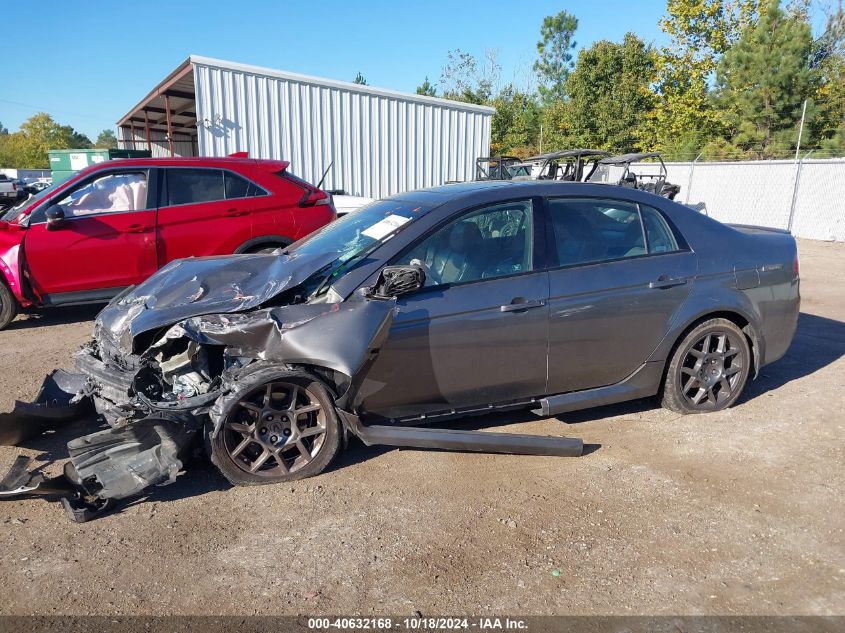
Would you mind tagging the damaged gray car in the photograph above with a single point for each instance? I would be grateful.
(419, 308)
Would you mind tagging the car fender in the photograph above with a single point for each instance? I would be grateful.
(10, 266)
(714, 295)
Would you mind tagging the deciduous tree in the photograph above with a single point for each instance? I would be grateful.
(516, 123)
(106, 139)
(610, 96)
(463, 78)
(700, 32)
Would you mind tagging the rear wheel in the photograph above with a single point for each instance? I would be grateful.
(709, 368)
(8, 306)
(276, 430)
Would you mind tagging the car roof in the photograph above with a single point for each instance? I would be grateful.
(493, 190)
(192, 161)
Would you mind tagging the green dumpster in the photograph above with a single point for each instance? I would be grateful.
(66, 162)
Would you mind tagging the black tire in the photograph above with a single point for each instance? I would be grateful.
(708, 369)
(251, 427)
(263, 249)
(8, 306)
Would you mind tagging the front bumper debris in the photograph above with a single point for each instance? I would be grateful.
(58, 401)
(107, 466)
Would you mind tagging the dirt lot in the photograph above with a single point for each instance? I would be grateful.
(739, 512)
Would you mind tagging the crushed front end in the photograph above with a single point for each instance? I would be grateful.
(160, 389)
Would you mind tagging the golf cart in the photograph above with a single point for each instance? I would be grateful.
(569, 165)
(651, 182)
(494, 167)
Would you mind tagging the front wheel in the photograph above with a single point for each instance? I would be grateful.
(276, 430)
(709, 368)
(8, 306)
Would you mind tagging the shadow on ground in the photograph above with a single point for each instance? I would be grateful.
(55, 316)
(819, 341)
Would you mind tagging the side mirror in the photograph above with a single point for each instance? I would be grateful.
(394, 281)
(55, 217)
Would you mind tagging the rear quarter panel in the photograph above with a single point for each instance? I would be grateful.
(748, 272)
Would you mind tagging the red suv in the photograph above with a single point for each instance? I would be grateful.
(114, 224)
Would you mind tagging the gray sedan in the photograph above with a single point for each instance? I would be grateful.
(421, 307)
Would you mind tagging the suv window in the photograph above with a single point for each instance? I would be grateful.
(238, 187)
(109, 193)
(588, 230)
(491, 242)
(191, 186)
(660, 236)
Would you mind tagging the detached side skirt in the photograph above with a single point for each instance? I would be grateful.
(460, 440)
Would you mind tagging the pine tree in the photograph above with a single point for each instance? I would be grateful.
(426, 89)
(763, 80)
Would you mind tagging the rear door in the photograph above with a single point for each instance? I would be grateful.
(203, 211)
(106, 242)
(477, 332)
(622, 273)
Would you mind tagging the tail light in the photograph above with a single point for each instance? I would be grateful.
(795, 265)
(314, 197)
(311, 196)
(14, 187)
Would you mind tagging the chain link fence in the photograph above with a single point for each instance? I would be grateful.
(805, 196)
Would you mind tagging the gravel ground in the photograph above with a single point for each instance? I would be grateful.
(738, 512)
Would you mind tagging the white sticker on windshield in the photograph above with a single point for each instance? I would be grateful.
(389, 224)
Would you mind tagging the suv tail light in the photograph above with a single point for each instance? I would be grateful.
(311, 196)
(795, 265)
(314, 197)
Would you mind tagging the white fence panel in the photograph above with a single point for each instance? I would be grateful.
(764, 193)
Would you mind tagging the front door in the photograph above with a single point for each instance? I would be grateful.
(477, 333)
(106, 241)
(622, 275)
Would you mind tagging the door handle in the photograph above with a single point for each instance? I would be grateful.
(664, 281)
(234, 213)
(137, 228)
(519, 304)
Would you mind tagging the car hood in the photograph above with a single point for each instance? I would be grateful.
(205, 285)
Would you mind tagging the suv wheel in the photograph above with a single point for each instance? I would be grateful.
(263, 249)
(708, 370)
(276, 430)
(8, 306)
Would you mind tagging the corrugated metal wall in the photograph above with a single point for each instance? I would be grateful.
(378, 143)
(158, 141)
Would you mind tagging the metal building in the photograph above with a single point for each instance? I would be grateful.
(370, 141)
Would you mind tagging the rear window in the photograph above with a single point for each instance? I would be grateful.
(238, 187)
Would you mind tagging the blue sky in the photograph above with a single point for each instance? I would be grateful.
(88, 63)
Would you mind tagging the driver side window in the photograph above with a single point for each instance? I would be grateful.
(491, 242)
(109, 193)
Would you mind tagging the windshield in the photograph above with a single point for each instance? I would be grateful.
(355, 235)
(14, 212)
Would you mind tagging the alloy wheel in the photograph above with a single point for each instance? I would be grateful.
(275, 429)
(712, 370)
